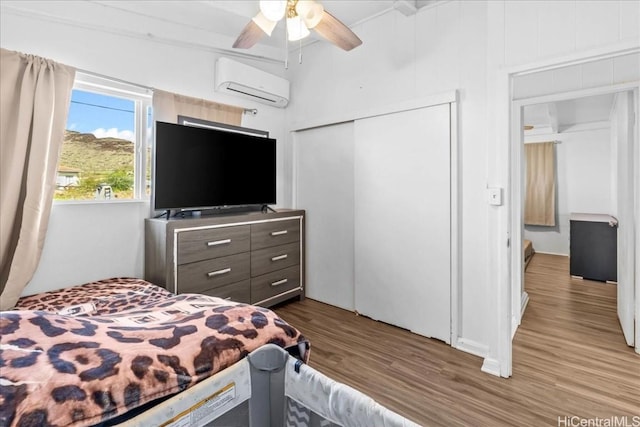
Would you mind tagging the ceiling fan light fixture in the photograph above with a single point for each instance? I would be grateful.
(296, 29)
(265, 24)
(273, 10)
(301, 16)
(310, 12)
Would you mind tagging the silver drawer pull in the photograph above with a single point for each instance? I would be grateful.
(219, 242)
(279, 282)
(219, 272)
(279, 257)
(278, 233)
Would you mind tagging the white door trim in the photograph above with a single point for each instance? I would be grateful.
(377, 110)
(455, 219)
(510, 225)
(448, 97)
(636, 170)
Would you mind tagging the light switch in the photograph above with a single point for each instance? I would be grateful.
(495, 196)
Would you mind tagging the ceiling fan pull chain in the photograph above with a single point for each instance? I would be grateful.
(286, 49)
(300, 53)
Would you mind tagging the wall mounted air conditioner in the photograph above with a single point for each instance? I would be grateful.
(239, 79)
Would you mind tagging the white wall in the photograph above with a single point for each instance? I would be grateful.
(72, 254)
(583, 185)
(466, 46)
(91, 241)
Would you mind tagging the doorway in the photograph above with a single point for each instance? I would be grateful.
(589, 140)
(609, 189)
(510, 266)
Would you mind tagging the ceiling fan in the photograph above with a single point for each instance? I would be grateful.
(301, 16)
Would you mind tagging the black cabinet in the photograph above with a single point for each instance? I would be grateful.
(593, 247)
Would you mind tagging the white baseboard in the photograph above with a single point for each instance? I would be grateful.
(549, 253)
(472, 347)
(525, 302)
(515, 323)
(491, 366)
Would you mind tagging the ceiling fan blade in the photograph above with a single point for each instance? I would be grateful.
(249, 36)
(336, 32)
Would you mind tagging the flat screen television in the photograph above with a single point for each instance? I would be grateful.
(199, 168)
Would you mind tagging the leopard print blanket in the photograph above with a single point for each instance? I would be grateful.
(106, 296)
(87, 354)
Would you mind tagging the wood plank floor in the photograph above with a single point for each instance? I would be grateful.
(570, 359)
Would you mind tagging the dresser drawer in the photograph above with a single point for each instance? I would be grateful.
(211, 273)
(276, 258)
(197, 245)
(238, 292)
(274, 233)
(271, 284)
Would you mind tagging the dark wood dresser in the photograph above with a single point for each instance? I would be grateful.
(252, 257)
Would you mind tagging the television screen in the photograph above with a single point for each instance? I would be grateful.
(197, 168)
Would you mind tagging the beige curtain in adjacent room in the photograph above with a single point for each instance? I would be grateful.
(34, 102)
(168, 106)
(540, 199)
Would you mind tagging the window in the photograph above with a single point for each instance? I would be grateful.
(105, 153)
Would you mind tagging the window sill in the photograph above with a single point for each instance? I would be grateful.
(99, 202)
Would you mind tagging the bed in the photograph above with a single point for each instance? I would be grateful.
(90, 353)
(527, 252)
(125, 352)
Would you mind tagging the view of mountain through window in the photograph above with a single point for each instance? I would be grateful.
(97, 161)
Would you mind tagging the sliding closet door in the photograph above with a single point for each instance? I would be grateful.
(324, 187)
(402, 220)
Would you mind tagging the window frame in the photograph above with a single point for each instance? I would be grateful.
(142, 99)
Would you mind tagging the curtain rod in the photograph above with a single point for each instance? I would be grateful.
(115, 79)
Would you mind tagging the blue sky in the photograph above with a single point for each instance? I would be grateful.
(102, 115)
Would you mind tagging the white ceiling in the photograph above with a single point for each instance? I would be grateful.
(214, 23)
(562, 115)
(228, 17)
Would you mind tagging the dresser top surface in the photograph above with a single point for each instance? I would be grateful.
(221, 219)
(592, 217)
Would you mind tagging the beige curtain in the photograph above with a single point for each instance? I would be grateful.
(34, 102)
(168, 106)
(540, 199)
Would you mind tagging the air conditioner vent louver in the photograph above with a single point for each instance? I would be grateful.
(254, 93)
(242, 80)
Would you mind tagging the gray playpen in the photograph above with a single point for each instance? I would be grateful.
(269, 388)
